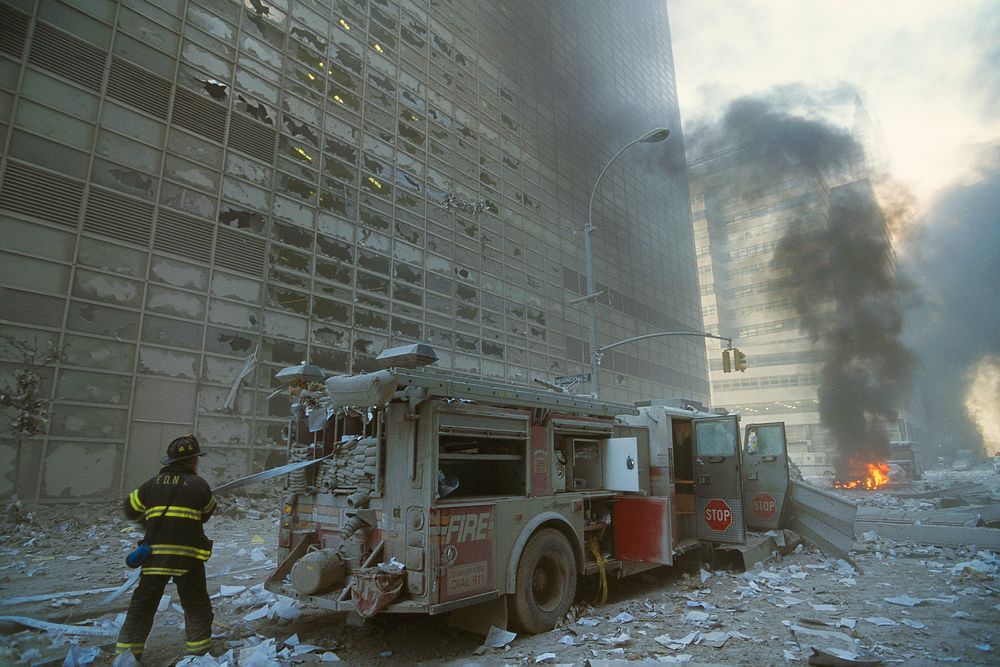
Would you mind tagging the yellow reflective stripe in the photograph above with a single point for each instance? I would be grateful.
(164, 571)
(133, 499)
(210, 506)
(201, 643)
(180, 550)
(135, 649)
(179, 512)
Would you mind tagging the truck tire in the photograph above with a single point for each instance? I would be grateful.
(545, 582)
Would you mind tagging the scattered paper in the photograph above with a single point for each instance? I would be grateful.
(498, 637)
(588, 622)
(676, 644)
(904, 601)
(623, 617)
(568, 640)
(880, 620)
(916, 625)
(835, 657)
(545, 657)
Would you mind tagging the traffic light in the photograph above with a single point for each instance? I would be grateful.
(727, 366)
(739, 360)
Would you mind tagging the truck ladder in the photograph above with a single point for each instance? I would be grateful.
(499, 393)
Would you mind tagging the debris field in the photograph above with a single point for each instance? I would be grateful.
(902, 601)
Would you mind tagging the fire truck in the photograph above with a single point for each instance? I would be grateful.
(427, 492)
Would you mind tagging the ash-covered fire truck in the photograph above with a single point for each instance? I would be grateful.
(432, 492)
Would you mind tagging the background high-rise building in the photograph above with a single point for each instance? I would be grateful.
(775, 278)
(194, 194)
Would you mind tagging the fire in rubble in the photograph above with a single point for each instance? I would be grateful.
(876, 476)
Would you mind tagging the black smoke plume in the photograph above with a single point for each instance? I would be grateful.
(840, 273)
(866, 368)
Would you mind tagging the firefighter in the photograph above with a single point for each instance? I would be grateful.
(173, 506)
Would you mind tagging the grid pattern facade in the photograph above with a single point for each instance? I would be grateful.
(185, 183)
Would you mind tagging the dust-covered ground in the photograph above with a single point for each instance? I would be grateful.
(905, 603)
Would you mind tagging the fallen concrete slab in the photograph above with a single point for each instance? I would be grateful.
(936, 535)
(823, 518)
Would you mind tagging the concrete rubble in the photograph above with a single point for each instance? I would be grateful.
(900, 602)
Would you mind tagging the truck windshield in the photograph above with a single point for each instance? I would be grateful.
(769, 440)
(716, 437)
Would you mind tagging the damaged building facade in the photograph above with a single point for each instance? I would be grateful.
(195, 194)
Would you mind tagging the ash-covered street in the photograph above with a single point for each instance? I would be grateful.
(906, 603)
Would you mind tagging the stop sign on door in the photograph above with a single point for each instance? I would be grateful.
(764, 505)
(718, 514)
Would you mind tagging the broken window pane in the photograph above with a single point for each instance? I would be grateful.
(174, 333)
(240, 218)
(110, 289)
(113, 322)
(236, 287)
(223, 341)
(124, 179)
(286, 299)
(81, 421)
(283, 351)
(326, 333)
(251, 170)
(331, 311)
(98, 353)
(94, 387)
(178, 274)
(233, 314)
(185, 199)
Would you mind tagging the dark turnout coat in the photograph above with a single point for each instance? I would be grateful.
(172, 506)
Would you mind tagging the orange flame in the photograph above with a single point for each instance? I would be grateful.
(878, 476)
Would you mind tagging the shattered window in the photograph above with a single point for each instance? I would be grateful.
(81, 421)
(170, 332)
(102, 320)
(236, 287)
(327, 333)
(178, 274)
(286, 299)
(94, 387)
(331, 311)
(715, 437)
(228, 342)
(107, 288)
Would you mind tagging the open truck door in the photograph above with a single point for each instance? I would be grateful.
(717, 480)
(765, 475)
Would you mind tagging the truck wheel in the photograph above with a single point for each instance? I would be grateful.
(545, 582)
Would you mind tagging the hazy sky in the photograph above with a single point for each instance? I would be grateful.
(928, 71)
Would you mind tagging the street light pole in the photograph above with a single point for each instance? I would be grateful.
(658, 134)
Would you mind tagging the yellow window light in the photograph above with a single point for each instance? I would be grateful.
(338, 98)
(377, 47)
(310, 75)
(375, 182)
(343, 24)
(302, 153)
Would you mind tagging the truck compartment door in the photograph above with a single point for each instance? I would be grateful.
(620, 461)
(717, 485)
(642, 530)
(765, 475)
